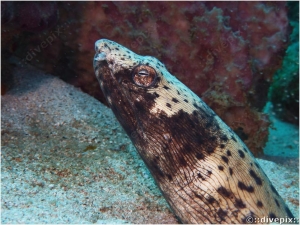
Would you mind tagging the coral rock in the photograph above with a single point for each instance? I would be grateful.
(226, 52)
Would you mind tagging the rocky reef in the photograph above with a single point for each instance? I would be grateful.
(284, 91)
(226, 52)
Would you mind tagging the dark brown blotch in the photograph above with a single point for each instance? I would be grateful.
(210, 150)
(224, 138)
(242, 186)
(211, 200)
(222, 214)
(156, 95)
(175, 100)
(255, 177)
(239, 204)
(140, 106)
(225, 159)
(199, 196)
(200, 176)
(230, 171)
(182, 162)
(224, 192)
(209, 124)
(228, 153)
(199, 155)
(197, 144)
(221, 168)
(187, 148)
(241, 153)
(212, 138)
(169, 177)
(259, 204)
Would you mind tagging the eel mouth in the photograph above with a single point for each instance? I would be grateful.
(107, 67)
(103, 63)
(99, 61)
(102, 55)
(110, 71)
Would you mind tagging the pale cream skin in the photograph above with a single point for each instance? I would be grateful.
(217, 180)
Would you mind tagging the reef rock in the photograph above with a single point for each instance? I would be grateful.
(284, 91)
(226, 52)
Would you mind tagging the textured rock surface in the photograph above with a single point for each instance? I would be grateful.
(225, 52)
(29, 16)
(65, 159)
(284, 92)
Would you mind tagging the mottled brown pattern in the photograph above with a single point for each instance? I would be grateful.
(203, 169)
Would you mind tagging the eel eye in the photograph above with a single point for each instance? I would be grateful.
(144, 76)
(143, 73)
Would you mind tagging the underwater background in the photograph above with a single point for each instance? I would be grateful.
(64, 156)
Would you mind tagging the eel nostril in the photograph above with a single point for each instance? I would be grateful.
(100, 57)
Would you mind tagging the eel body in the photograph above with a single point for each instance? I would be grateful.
(205, 172)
